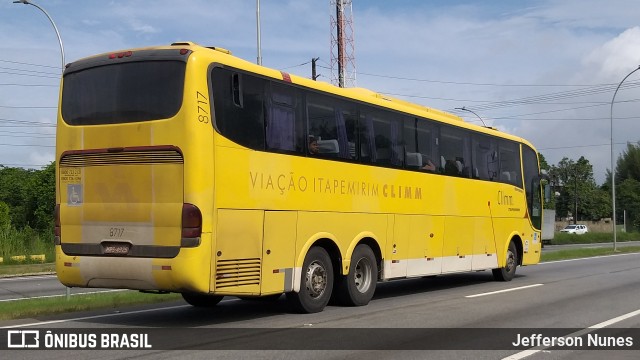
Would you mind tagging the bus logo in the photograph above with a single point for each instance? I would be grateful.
(23, 339)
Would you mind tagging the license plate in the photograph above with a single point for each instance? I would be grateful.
(116, 248)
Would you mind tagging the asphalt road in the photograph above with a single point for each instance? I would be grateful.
(410, 318)
(36, 286)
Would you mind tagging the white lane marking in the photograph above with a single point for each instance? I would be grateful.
(586, 258)
(101, 316)
(52, 296)
(615, 320)
(503, 291)
(529, 352)
(26, 277)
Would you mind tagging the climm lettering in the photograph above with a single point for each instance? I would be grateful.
(287, 183)
(504, 199)
(401, 192)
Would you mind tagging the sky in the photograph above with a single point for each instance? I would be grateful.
(540, 69)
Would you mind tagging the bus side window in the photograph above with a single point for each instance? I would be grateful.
(509, 153)
(455, 150)
(327, 121)
(381, 137)
(281, 119)
(236, 89)
(238, 107)
(485, 158)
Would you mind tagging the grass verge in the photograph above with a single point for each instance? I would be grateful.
(57, 305)
(591, 238)
(24, 269)
(583, 253)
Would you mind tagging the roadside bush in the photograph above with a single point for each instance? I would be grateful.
(589, 238)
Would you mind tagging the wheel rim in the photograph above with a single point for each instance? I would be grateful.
(362, 275)
(511, 261)
(316, 279)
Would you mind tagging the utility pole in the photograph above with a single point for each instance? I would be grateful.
(343, 69)
(313, 68)
(258, 36)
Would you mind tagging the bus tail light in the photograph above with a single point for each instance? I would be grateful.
(120, 55)
(191, 225)
(57, 230)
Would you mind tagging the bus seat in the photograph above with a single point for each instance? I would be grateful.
(413, 159)
(383, 155)
(352, 149)
(459, 166)
(505, 176)
(328, 146)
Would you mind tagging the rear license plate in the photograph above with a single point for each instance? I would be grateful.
(119, 248)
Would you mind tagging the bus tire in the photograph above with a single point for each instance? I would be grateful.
(358, 286)
(316, 282)
(201, 300)
(509, 270)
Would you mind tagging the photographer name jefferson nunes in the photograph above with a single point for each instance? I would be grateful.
(286, 183)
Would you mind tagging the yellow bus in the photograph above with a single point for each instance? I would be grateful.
(185, 169)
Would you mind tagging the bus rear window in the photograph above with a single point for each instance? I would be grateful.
(123, 93)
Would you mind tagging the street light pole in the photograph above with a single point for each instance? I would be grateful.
(27, 2)
(473, 112)
(259, 60)
(613, 164)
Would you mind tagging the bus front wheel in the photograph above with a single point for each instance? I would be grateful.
(201, 300)
(509, 270)
(357, 287)
(316, 282)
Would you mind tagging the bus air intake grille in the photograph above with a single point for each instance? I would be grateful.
(237, 272)
(83, 159)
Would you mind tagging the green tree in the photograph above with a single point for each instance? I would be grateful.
(29, 195)
(628, 199)
(5, 217)
(577, 187)
(627, 175)
(43, 198)
(549, 203)
(628, 164)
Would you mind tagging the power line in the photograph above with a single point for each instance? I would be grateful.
(25, 122)
(28, 107)
(482, 84)
(294, 66)
(34, 85)
(30, 64)
(50, 146)
(580, 146)
(40, 76)
(32, 136)
(25, 132)
(29, 71)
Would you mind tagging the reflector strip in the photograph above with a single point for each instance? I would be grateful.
(285, 76)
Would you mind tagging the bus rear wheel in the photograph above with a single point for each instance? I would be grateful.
(201, 300)
(358, 286)
(509, 270)
(316, 282)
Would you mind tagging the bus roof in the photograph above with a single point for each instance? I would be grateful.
(359, 94)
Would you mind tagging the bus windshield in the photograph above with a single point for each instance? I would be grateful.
(123, 93)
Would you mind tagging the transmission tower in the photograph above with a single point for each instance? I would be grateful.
(343, 60)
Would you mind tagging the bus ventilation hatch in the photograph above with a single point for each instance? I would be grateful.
(97, 158)
(237, 272)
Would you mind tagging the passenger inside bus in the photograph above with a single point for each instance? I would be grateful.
(314, 149)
